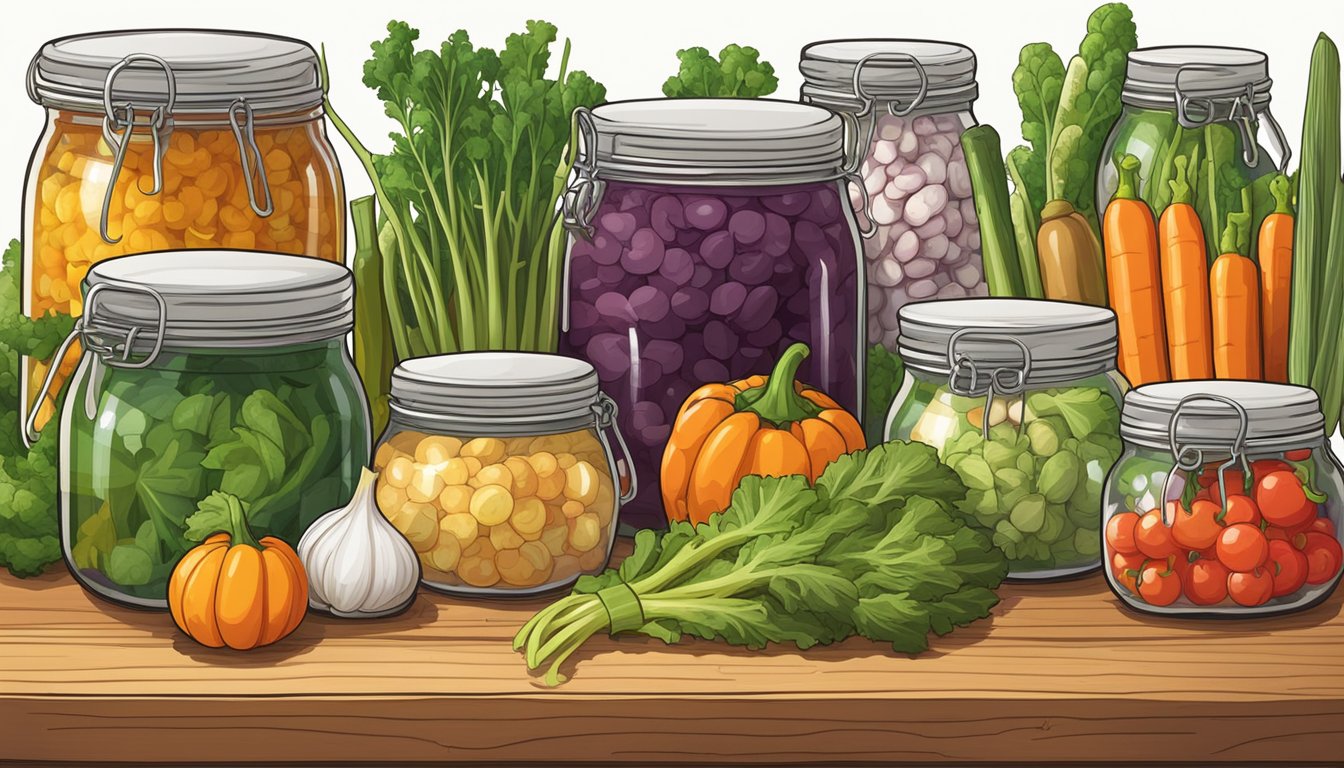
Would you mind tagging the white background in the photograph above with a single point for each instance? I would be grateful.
(631, 46)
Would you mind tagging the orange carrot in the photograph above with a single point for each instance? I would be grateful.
(1234, 284)
(1185, 282)
(1276, 280)
(1129, 240)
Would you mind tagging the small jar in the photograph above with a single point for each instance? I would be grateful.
(1022, 399)
(172, 139)
(1226, 502)
(203, 373)
(912, 99)
(1208, 105)
(496, 467)
(709, 236)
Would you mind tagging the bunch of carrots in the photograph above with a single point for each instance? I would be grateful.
(1178, 317)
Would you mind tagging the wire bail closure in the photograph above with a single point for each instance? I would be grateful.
(1241, 111)
(1005, 381)
(246, 136)
(584, 195)
(605, 410)
(112, 346)
(121, 116)
(1190, 457)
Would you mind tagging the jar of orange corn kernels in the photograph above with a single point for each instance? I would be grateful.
(172, 139)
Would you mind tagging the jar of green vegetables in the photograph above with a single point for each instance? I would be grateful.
(204, 373)
(1198, 119)
(1022, 399)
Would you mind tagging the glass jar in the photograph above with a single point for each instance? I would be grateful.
(913, 100)
(496, 467)
(1207, 105)
(1022, 399)
(1226, 501)
(172, 139)
(710, 235)
(203, 373)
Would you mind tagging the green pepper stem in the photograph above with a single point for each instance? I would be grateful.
(1128, 188)
(238, 531)
(779, 403)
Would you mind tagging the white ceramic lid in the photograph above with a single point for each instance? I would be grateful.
(716, 141)
(210, 69)
(1278, 416)
(232, 299)
(1065, 341)
(948, 77)
(502, 389)
(1154, 75)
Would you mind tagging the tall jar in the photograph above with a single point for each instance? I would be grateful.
(1022, 399)
(1226, 502)
(1210, 106)
(204, 374)
(710, 234)
(913, 100)
(171, 139)
(498, 469)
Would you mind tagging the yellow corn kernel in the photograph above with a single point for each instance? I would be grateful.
(488, 450)
(543, 463)
(584, 532)
(419, 523)
(437, 449)
(565, 460)
(456, 499)
(491, 504)
(400, 471)
(524, 477)
(572, 509)
(529, 516)
(473, 465)
(381, 457)
(454, 471)
(425, 485)
(244, 241)
(461, 526)
(581, 482)
(527, 566)
(554, 538)
(445, 554)
(477, 566)
(492, 474)
(503, 537)
(593, 560)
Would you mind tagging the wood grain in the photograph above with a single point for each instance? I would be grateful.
(1059, 673)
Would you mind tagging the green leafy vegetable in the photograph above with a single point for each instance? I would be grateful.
(474, 253)
(885, 373)
(29, 534)
(876, 549)
(738, 73)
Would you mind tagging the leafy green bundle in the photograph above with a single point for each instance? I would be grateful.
(473, 250)
(29, 535)
(737, 73)
(875, 549)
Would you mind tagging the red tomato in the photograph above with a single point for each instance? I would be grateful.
(1125, 569)
(1293, 536)
(1242, 547)
(1120, 533)
(1154, 537)
(1159, 584)
(1240, 509)
(1252, 588)
(1287, 566)
(1303, 454)
(1324, 556)
(1197, 528)
(1205, 582)
(1263, 467)
(1281, 499)
(1321, 525)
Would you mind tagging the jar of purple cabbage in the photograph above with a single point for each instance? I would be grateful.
(707, 236)
(913, 100)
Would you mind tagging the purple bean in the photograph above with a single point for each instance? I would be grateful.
(727, 298)
(650, 372)
(717, 250)
(614, 308)
(758, 308)
(606, 249)
(649, 304)
(788, 204)
(687, 238)
(610, 355)
(747, 226)
(824, 208)
(703, 276)
(778, 235)
(690, 304)
(720, 340)
(678, 266)
(670, 328)
(645, 414)
(666, 216)
(706, 213)
(709, 370)
(620, 225)
(582, 314)
(752, 268)
(808, 236)
(766, 335)
(645, 254)
(666, 353)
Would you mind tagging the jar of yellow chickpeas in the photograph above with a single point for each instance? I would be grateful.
(171, 139)
(497, 467)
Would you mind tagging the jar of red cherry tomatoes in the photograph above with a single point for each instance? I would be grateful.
(1225, 502)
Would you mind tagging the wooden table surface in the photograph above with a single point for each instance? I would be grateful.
(1059, 673)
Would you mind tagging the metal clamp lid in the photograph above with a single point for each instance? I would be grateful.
(1242, 110)
(112, 346)
(995, 384)
(1189, 457)
(605, 410)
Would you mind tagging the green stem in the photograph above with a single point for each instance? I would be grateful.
(1281, 190)
(238, 531)
(779, 402)
(1128, 188)
(1180, 184)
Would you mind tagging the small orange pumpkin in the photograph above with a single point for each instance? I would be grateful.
(770, 426)
(234, 590)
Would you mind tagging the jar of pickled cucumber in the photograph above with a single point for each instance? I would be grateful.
(498, 469)
(172, 139)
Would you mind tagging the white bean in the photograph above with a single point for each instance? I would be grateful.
(954, 255)
(889, 128)
(875, 181)
(951, 291)
(889, 316)
(958, 180)
(886, 211)
(934, 167)
(967, 275)
(920, 268)
(906, 247)
(952, 222)
(935, 247)
(948, 123)
(894, 192)
(888, 273)
(925, 204)
(924, 126)
(884, 152)
(940, 144)
(922, 289)
(934, 226)
(908, 146)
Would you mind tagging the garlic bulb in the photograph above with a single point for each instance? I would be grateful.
(358, 565)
